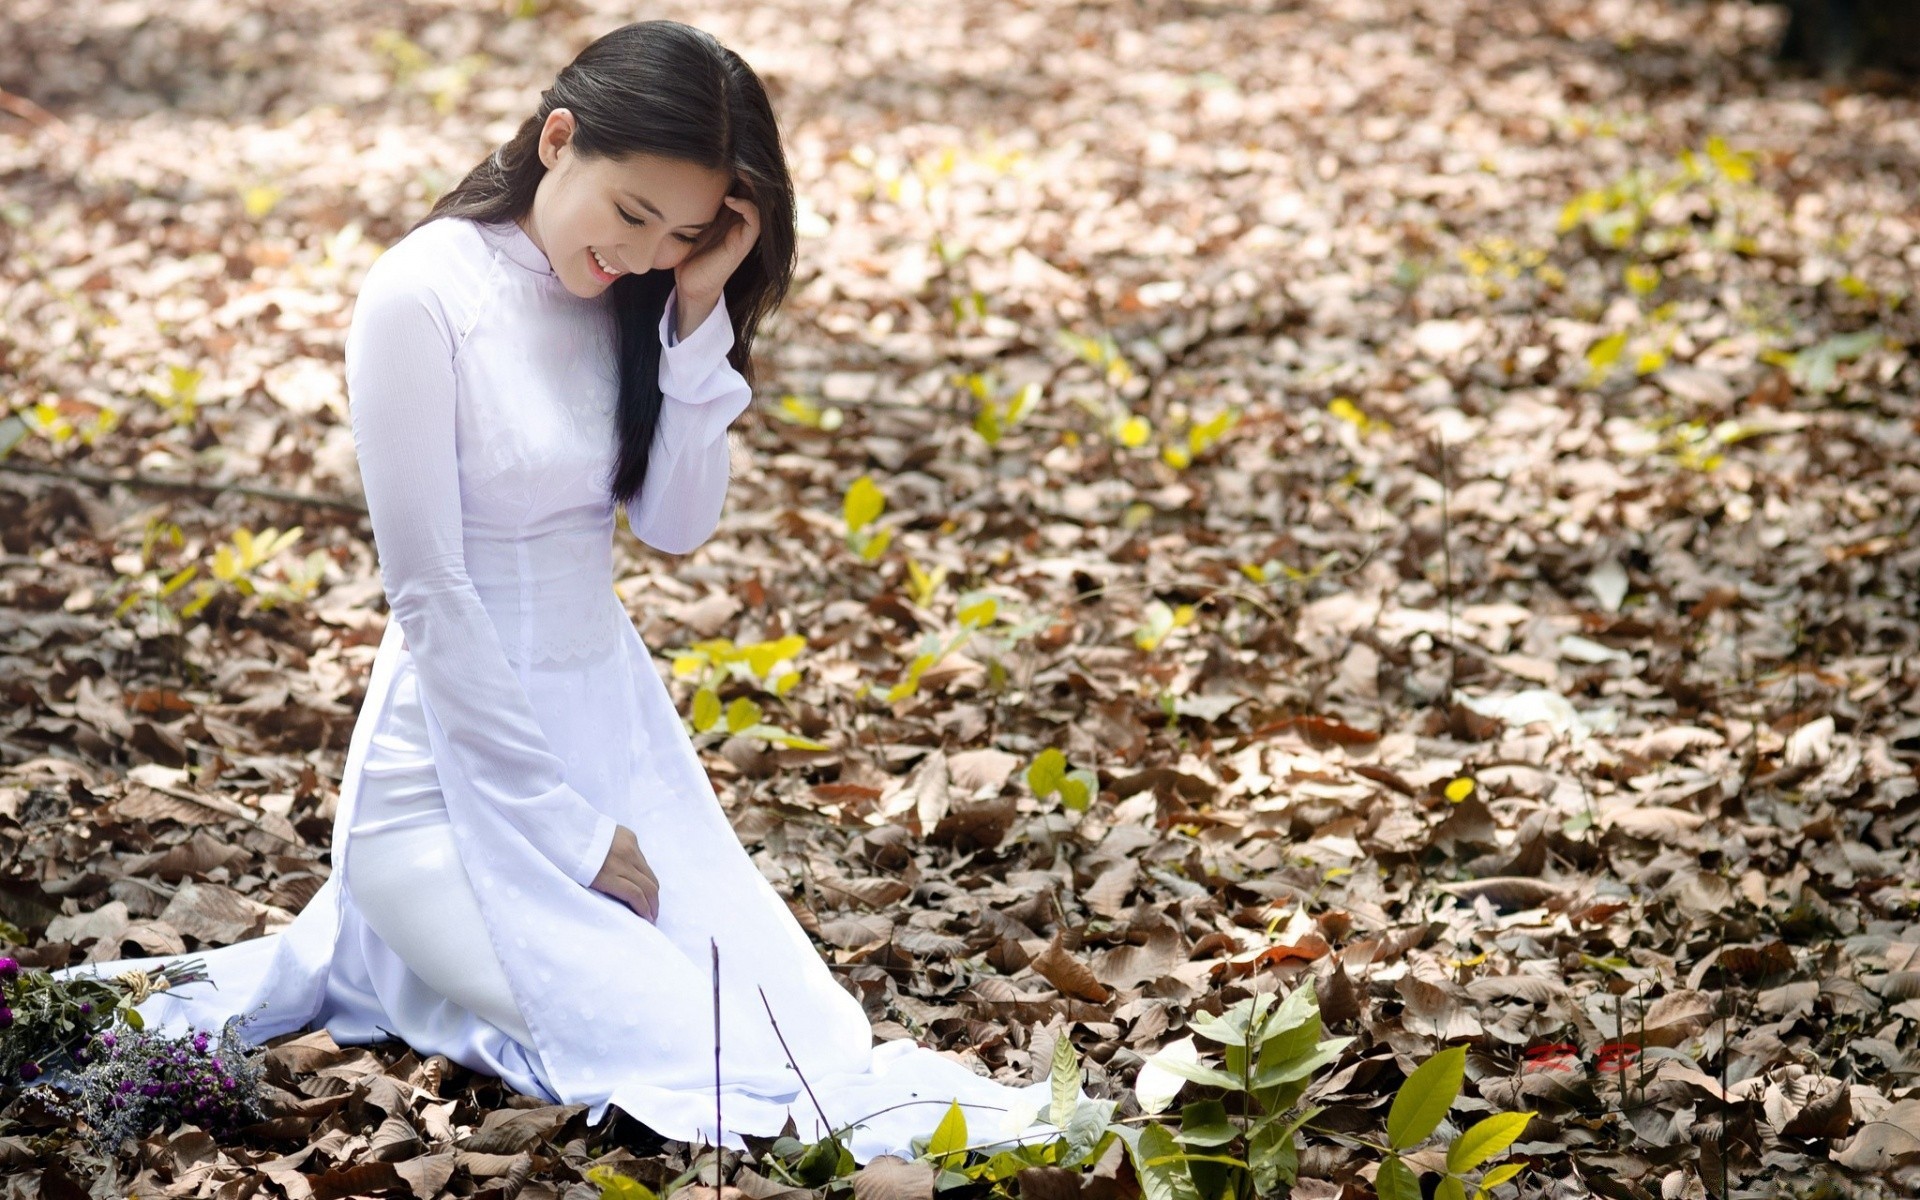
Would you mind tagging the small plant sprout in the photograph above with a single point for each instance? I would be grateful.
(1273, 569)
(975, 613)
(798, 410)
(1158, 621)
(237, 564)
(1418, 1108)
(180, 398)
(922, 584)
(64, 421)
(768, 665)
(1201, 437)
(1102, 354)
(1271, 1050)
(864, 504)
(1048, 775)
(995, 414)
(1346, 410)
(248, 564)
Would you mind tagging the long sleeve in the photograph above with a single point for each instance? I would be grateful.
(400, 352)
(679, 505)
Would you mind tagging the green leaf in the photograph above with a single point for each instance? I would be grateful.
(1450, 1189)
(1204, 1123)
(1274, 1159)
(1047, 771)
(1168, 1180)
(1423, 1100)
(1499, 1175)
(1087, 1131)
(1300, 1068)
(1396, 1181)
(950, 1136)
(1078, 789)
(1487, 1139)
(1186, 1069)
(1065, 1077)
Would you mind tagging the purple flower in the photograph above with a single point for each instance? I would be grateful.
(29, 1071)
(86, 1006)
(226, 1081)
(9, 969)
(200, 1042)
(107, 1040)
(6, 1016)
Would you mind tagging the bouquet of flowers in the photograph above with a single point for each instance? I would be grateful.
(47, 1024)
(86, 1036)
(138, 1082)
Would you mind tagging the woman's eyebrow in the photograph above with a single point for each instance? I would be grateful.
(643, 202)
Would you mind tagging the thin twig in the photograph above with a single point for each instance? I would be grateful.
(796, 1064)
(1446, 560)
(718, 1130)
(155, 483)
(27, 110)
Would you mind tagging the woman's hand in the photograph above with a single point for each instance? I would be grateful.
(626, 876)
(702, 274)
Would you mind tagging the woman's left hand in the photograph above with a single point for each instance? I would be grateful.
(703, 273)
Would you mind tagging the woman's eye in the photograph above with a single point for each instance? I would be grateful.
(632, 219)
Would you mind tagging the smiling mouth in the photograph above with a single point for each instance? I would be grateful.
(600, 270)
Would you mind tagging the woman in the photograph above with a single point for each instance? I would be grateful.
(539, 872)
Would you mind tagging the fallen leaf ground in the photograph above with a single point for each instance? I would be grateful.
(1569, 352)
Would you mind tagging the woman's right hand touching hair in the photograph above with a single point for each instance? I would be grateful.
(627, 878)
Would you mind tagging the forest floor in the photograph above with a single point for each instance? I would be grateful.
(1445, 468)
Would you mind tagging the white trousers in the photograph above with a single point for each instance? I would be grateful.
(406, 876)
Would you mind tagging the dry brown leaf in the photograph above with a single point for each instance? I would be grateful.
(1073, 977)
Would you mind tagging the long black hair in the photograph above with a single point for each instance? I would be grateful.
(665, 89)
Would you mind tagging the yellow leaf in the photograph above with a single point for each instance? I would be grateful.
(259, 201)
(706, 709)
(1603, 354)
(1737, 166)
(1134, 432)
(864, 502)
(876, 545)
(1642, 278)
(741, 714)
(980, 613)
(1460, 789)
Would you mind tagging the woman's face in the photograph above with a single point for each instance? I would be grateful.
(639, 214)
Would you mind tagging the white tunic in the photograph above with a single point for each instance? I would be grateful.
(482, 395)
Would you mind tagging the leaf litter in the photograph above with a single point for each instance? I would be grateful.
(1571, 378)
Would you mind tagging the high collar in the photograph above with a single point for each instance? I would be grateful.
(520, 250)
